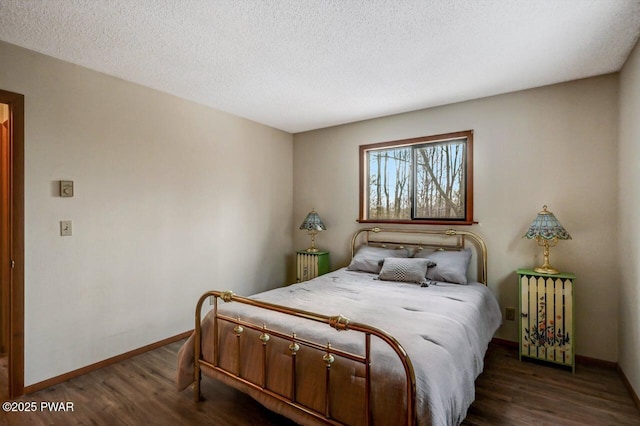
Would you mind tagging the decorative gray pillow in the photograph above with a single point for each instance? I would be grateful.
(411, 270)
(369, 259)
(451, 266)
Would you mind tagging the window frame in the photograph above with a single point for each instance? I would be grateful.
(424, 140)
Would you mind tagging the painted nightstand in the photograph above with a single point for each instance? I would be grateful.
(311, 264)
(546, 324)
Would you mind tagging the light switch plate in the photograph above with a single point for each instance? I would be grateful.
(66, 188)
(65, 228)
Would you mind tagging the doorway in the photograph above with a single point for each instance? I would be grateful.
(11, 245)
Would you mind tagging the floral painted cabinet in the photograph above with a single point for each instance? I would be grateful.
(546, 317)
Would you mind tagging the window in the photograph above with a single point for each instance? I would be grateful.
(421, 180)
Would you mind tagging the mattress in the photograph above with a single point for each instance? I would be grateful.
(444, 328)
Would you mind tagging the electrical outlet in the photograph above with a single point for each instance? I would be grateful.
(510, 314)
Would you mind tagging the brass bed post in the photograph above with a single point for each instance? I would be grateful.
(196, 358)
(264, 338)
(328, 360)
(367, 380)
(197, 350)
(216, 353)
(294, 347)
(481, 246)
(238, 331)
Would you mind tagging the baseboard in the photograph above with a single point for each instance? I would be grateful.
(503, 342)
(627, 384)
(98, 365)
(580, 359)
(585, 360)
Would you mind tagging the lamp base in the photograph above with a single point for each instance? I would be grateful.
(546, 269)
(312, 250)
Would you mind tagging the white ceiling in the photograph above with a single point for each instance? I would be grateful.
(305, 64)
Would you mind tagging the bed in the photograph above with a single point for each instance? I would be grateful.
(397, 337)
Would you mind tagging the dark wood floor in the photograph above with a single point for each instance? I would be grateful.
(510, 392)
(4, 377)
(140, 391)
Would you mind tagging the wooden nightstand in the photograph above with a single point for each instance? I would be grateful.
(546, 324)
(311, 264)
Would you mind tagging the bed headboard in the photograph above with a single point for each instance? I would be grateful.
(441, 239)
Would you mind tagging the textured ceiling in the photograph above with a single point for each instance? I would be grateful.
(305, 64)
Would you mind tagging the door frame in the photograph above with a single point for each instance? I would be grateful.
(15, 266)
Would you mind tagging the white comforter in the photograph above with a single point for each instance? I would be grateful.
(445, 329)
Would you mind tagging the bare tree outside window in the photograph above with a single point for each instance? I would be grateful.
(440, 180)
(422, 180)
(389, 183)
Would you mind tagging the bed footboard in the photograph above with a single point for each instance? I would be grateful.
(258, 381)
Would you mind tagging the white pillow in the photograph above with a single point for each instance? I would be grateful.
(369, 259)
(451, 266)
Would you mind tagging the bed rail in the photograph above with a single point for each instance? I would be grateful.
(339, 323)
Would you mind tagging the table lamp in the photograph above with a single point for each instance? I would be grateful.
(546, 230)
(313, 224)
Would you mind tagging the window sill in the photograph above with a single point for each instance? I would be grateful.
(420, 222)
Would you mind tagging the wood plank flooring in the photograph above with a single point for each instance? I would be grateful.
(510, 392)
(141, 391)
(4, 377)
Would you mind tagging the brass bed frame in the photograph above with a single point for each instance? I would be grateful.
(372, 236)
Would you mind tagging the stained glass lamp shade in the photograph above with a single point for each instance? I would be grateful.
(313, 224)
(546, 230)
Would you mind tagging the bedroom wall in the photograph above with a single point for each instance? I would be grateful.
(167, 199)
(629, 228)
(554, 145)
